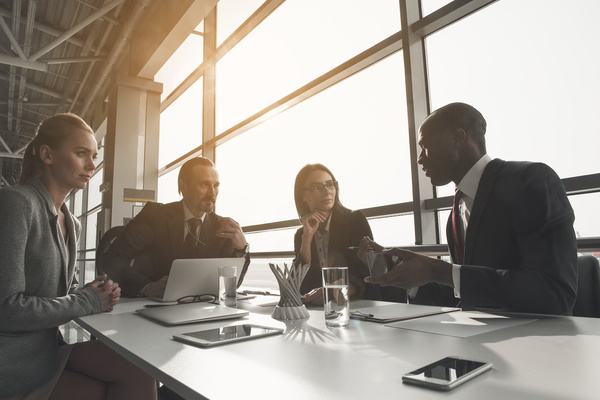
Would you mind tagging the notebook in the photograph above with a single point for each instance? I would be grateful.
(189, 313)
(190, 277)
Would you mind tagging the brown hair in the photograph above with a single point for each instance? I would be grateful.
(52, 132)
(185, 173)
(301, 206)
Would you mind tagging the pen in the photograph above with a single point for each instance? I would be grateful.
(259, 292)
(353, 248)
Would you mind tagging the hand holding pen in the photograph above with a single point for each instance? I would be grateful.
(365, 245)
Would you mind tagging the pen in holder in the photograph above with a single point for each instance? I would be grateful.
(290, 303)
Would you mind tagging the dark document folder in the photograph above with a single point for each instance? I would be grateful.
(397, 312)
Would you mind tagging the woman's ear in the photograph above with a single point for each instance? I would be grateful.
(45, 154)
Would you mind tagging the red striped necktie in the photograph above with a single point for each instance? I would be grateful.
(457, 227)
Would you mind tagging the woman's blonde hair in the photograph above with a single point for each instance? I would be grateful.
(53, 132)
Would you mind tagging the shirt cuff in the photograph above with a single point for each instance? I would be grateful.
(242, 252)
(456, 279)
(141, 292)
(412, 292)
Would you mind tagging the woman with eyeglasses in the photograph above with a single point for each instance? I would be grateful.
(329, 235)
(38, 288)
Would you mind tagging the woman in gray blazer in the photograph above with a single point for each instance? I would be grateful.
(38, 287)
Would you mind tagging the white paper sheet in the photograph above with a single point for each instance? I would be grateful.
(460, 324)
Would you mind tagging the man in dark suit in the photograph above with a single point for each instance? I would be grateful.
(161, 233)
(514, 248)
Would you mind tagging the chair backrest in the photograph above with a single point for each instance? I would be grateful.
(105, 241)
(588, 287)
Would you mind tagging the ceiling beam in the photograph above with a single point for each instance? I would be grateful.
(10, 155)
(38, 88)
(23, 63)
(67, 34)
(12, 39)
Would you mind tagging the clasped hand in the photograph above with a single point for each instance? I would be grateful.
(108, 291)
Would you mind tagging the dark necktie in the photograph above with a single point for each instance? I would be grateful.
(457, 227)
(192, 239)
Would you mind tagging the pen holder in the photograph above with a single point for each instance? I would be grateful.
(290, 303)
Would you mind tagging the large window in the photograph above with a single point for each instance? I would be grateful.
(185, 60)
(536, 87)
(293, 46)
(528, 66)
(356, 128)
(181, 125)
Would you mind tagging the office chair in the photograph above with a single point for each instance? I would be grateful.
(588, 291)
(105, 241)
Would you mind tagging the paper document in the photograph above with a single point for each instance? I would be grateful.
(461, 324)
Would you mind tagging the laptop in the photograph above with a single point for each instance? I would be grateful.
(190, 313)
(196, 276)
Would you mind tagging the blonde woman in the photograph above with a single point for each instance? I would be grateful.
(38, 287)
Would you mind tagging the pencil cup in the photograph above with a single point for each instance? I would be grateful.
(337, 301)
(227, 286)
(290, 302)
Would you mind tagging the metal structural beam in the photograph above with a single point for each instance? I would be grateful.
(66, 35)
(10, 155)
(23, 63)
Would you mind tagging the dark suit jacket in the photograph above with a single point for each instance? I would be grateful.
(154, 238)
(345, 230)
(520, 247)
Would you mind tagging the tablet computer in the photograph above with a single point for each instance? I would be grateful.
(380, 264)
(226, 334)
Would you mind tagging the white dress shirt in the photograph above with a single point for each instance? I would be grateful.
(187, 214)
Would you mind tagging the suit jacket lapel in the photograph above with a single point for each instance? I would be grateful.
(175, 225)
(486, 186)
(336, 232)
(71, 247)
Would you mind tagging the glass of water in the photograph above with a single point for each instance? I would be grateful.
(227, 286)
(337, 300)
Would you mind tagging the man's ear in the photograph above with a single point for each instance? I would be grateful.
(460, 137)
(46, 154)
(182, 187)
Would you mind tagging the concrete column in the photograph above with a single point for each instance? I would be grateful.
(131, 150)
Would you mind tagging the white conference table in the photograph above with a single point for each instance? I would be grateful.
(546, 358)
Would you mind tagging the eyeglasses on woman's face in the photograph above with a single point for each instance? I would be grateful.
(320, 187)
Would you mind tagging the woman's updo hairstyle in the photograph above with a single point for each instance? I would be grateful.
(53, 132)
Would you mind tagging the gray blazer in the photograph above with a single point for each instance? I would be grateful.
(38, 289)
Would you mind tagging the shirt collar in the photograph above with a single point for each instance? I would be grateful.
(187, 214)
(328, 222)
(326, 227)
(470, 182)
